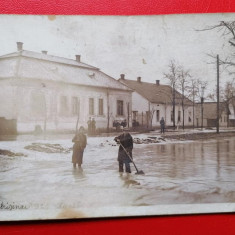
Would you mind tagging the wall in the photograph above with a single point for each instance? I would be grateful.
(21, 94)
(141, 104)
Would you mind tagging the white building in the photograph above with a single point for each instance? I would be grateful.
(151, 102)
(51, 93)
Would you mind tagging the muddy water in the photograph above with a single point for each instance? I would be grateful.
(175, 173)
(193, 172)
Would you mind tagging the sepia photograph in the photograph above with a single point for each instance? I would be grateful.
(116, 116)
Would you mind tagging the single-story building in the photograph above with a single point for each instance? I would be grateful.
(45, 92)
(209, 113)
(152, 101)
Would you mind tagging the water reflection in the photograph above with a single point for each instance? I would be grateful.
(163, 148)
(207, 159)
(218, 159)
(78, 173)
(128, 180)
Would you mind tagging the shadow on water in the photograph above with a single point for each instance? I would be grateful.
(128, 181)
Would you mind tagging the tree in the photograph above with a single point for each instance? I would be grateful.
(227, 29)
(201, 86)
(227, 94)
(183, 76)
(193, 93)
(151, 113)
(172, 76)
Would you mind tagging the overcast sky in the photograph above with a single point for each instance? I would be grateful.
(133, 45)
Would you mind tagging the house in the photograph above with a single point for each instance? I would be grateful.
(45, 92)
(152, 101)
(209, 113)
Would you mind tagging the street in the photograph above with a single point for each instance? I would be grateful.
(176, 172)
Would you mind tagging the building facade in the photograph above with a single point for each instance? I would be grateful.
(206, 115)
(153, 101)
(41, 91)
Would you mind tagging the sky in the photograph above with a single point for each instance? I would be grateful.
(137, 46)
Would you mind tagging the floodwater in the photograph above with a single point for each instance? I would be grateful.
(175, 173)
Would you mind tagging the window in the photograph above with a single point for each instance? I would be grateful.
(101, 106)
(75, 105)
(158, 115)
(135, 115)
(120, 107)
(179, 116)
(91, 106)
(63, 105)
(224, 118)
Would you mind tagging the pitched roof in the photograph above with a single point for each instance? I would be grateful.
(33, 65)
(210, 109)
(46, 57)
(155, 93)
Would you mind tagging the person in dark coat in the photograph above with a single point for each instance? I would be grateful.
(162, 123)
(80, 142)
(127, 142)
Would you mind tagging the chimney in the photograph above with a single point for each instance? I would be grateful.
(78, 58)
(44, 52)
(19, 46)
(139, 79)
(158, 82)
(122, 76)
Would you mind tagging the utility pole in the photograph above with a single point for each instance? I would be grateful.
(202, 100)
(193, 105)
(173, 90)
(217, 124)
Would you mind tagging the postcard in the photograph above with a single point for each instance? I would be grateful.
(115, 116)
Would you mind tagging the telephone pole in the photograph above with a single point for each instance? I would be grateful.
(217, 124)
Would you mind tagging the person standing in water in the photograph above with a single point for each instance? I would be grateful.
(162, 123)
(126, 141)
(80, 142)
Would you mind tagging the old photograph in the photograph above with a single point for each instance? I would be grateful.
(115, 116)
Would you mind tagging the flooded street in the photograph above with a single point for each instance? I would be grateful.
(192, 172)
(175, 173)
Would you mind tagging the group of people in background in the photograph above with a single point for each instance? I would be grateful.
(124, 140)
(91, 123)
(119, 125)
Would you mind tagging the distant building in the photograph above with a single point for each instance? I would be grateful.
(231, 112)
(209, 112)
(152, 101)
(44, 92)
